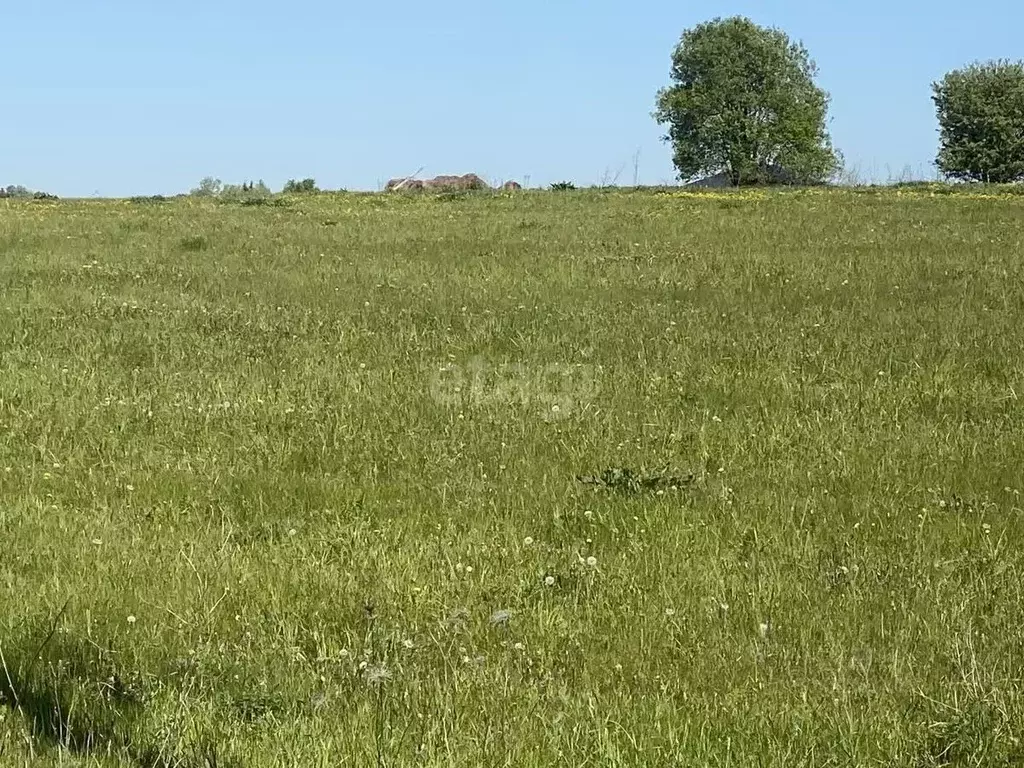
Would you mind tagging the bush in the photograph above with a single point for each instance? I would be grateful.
(194, 243)
(248, 191)
(563, 186)
(981, 122)
(232, 193)
(306, 186)
(16, 191)
(208, 187)
(254, 201)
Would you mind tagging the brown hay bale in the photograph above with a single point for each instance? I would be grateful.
(472, 181)
(511, 186)
(442, 182)
(456, 183)
(402, 185)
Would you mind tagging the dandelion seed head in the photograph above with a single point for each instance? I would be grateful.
(377, 674)
(549, 581)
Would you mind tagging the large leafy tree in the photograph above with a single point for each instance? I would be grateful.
(743, 101)
(981, 122)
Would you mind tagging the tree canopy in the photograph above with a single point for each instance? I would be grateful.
(981, 122)
(743, 101)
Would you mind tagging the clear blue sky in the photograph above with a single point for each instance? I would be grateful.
(123, 98)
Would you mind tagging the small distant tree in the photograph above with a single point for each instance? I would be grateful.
(743, 101)
(248, 190)
(208, 187)
(981, 122)
(16, 190)
(306, 186)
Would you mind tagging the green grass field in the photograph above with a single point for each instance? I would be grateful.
(297, 485)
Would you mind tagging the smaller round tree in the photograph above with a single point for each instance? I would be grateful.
(743, 101)
(981, 122)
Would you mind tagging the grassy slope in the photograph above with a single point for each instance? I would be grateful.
(229, 445)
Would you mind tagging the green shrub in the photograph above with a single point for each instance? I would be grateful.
(208, 187)
(241, 193)
(194, 243)
(16, 191)
(306, 186)
(256, 201)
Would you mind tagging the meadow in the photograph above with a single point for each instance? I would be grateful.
(299, 484)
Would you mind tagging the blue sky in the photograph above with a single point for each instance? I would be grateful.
(117, 98)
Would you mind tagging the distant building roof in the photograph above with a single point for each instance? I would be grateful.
(716, 181)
